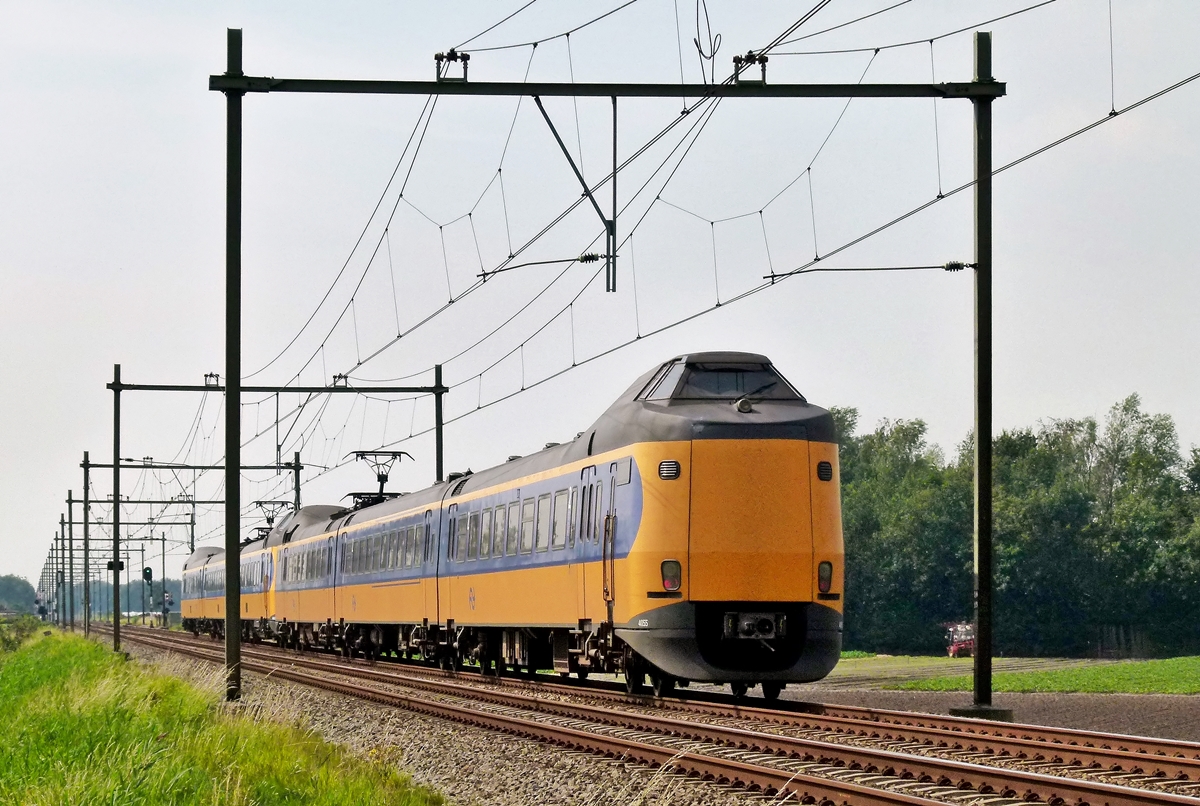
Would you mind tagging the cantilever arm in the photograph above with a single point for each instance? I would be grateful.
(587, 191)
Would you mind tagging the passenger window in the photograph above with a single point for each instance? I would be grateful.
(461, 546)
(485, 535)
(571, 516)
(473, 536)
(527, 517)
(500, 531)
(406, 547)
(562, 516)
(625, 471)
(514, 521)
(598, 512)
(585, 512)
(543, 523)
(377, 552)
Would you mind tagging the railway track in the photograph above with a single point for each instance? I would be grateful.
(858, 756)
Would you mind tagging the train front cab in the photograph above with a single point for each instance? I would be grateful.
(753, 515)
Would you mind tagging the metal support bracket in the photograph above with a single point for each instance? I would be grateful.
(610, 224)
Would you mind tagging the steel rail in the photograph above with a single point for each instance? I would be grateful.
(986, 779)
(1173, 758)
(770, 780)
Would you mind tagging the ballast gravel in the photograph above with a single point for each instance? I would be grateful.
(468, 765)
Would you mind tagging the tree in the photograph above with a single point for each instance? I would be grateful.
(1096, 530)
(16, 594)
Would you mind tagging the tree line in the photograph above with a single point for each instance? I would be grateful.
(1096, 537)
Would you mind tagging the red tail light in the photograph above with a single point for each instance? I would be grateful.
(672, 575)
(825, 577)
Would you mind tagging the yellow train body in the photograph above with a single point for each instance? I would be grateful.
(690, 540)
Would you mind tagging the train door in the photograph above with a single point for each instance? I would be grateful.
(328, 579)
(447, 568)
(584, 548)
(609, 544)
(268, 582)
(429, 566)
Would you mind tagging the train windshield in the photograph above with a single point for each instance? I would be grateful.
(723, 380)
(732, 381)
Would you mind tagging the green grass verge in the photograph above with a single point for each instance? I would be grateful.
(81, 725)
(850, 654)
(1171, 676)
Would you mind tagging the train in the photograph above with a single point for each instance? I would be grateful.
(692, 534)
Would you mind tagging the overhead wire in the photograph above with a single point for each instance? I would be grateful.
(353, 249)
(546, 39)
(921, 41)
(809, 268)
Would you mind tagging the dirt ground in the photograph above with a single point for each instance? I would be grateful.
(1166, 716)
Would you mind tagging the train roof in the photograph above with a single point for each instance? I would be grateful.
(629, 420)
(201, 556)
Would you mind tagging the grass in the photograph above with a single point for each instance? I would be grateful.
(82, 725)
(851, 654)
(1171, 676)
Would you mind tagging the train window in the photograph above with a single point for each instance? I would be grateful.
(473, 536)
(654, 380)
(585, 512)
(571, 516)
(376, 552)
(415, 549)
(394, 549)
(542, 534)
(500, 530)
(665, 388)
(527, 517)
(460, 550)
(562, 516)
(597, 510)
(625, 471)
(404, 558)
(485, 534)
(514, 525)
(731, 381)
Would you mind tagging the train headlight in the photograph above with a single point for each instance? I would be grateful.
(825, 576)
(672, 575)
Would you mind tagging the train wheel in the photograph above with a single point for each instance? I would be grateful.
(771, 691)
(583, 673)
(739, 689)
(661, 683)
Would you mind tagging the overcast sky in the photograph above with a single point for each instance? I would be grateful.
(112, 228)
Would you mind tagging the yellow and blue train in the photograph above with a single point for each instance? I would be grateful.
(693, 533)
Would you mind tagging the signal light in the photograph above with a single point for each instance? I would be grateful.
(825, 576)
(672, 575)
(148, 574)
